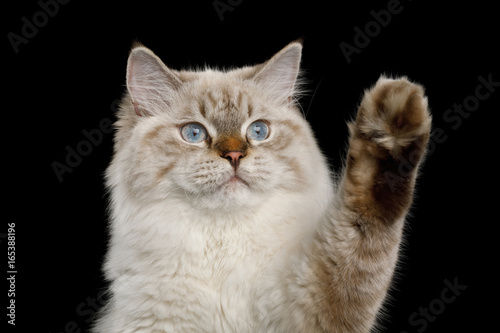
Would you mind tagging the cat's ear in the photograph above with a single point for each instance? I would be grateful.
(279, 74)
(150, 83)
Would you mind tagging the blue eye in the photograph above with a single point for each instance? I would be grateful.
(258, 131)
(193, 133)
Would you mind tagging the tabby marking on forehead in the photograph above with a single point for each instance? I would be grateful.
(213, 100)
(202, 108)
(227, 95)
(249, 108)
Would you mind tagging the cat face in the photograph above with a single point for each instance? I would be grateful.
(219, 140)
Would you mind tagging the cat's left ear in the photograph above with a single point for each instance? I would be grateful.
(150, 83)
(279, 74)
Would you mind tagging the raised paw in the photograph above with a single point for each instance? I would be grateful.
(394, 114)
(388, 139)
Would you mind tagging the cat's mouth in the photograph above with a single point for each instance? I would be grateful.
(235, 179)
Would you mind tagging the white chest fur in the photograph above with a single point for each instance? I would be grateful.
(177, 269)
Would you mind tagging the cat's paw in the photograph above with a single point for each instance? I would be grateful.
(393, 114)
(388, 140)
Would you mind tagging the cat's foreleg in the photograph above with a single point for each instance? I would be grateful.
(387, 142)
(341, 280)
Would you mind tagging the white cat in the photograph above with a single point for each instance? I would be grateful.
(224, 214)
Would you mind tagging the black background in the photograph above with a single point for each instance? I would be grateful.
(67, 76)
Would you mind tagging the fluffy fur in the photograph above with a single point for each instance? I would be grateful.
(272, 245)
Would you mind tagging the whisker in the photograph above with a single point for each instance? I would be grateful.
(313, 95)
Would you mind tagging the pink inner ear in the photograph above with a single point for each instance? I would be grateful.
(138, 110)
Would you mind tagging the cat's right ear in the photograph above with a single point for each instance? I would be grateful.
(150, 83)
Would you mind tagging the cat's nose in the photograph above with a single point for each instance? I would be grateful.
(233, 157)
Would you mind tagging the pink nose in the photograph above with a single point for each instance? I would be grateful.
(233, 157)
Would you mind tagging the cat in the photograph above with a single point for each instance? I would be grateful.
(224, 215)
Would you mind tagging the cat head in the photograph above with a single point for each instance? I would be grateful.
(216, 139)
